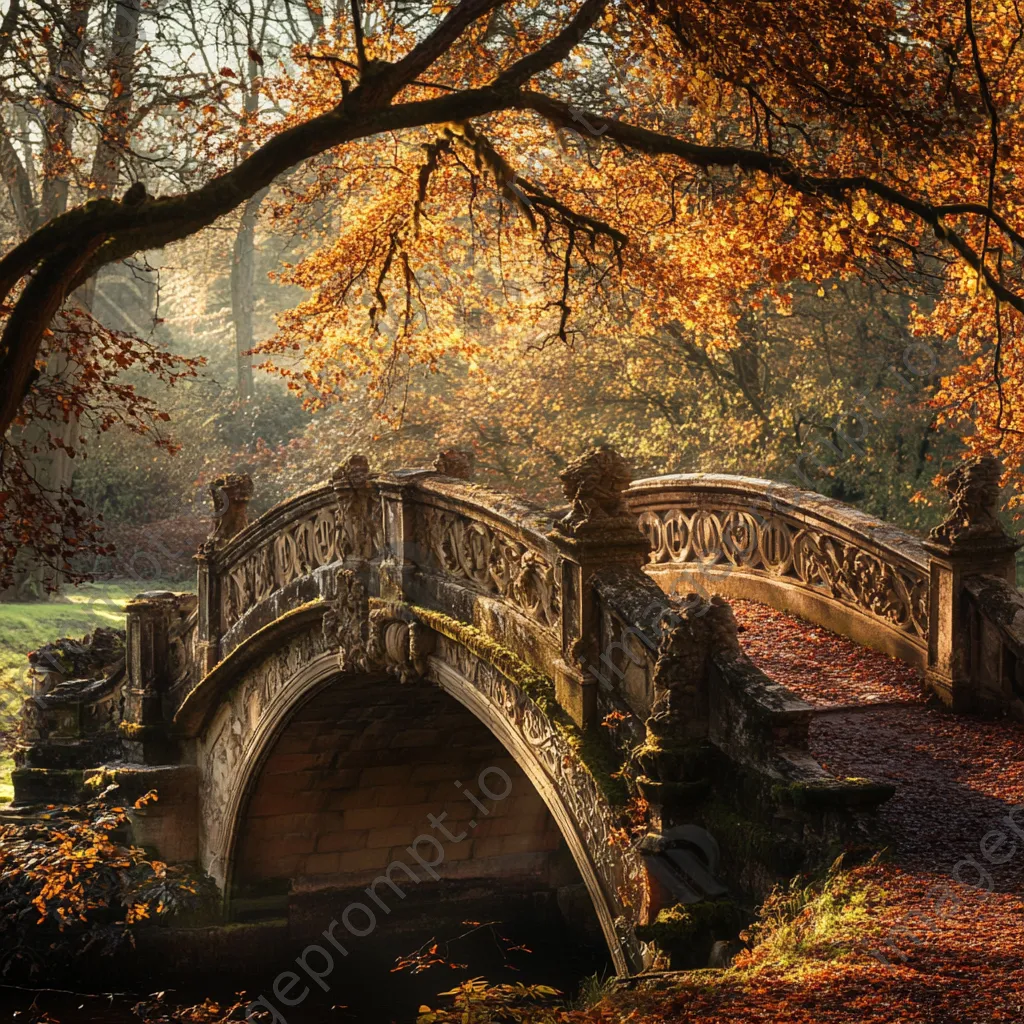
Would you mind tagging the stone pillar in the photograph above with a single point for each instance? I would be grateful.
(969, 542)
(599, 531)
(399, 561)
(359, 527)
(401, 548)
(230, 494)
(144, 727)
(208, 617)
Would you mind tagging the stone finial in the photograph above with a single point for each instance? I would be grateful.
(973, 489)
(354, 472)
(455, 462)
(596, 485)
(231, 493)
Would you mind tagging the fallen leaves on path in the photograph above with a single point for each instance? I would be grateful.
(820, 666)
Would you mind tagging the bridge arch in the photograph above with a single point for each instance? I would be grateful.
(240, 710)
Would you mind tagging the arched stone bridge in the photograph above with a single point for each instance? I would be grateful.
(360, 650)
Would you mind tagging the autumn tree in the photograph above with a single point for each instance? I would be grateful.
(638, 166)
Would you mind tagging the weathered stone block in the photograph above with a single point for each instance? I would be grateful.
(370, 817)
(395, 835)
(343, 841)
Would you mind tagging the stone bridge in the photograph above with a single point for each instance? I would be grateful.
(407, 680)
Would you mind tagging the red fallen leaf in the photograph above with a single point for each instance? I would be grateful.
(228, 73)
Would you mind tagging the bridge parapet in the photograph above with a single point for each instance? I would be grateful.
(921, 600)
(793, 549)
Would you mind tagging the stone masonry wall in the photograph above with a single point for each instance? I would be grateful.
(352, 780)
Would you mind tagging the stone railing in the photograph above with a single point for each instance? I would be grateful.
(994, 614)
(947, 605)
(488, 544)
(793, 549)
(568, 590)
(244, 565)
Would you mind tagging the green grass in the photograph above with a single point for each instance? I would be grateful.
(26, 626)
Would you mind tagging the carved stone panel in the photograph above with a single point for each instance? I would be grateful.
(792, 551)
(228, 740)
(493, 561)
(346, 622)
(348, 528)
(618, 864)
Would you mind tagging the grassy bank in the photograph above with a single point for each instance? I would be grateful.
(26, 626)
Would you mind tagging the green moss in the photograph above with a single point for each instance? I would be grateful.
(100, 778)
(536, 686)
(747, 840)
(594, 748)
(604, 762)
(833, 794)
(666, 758)
(684, 925)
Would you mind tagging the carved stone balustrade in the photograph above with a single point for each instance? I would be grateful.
(795, 550)
(841, 568)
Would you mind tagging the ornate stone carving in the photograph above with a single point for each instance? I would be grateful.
(787, 548)
(973, 489)
(399, 644)
(690, 632)
(354, 473)
(618, 864)
(349, 526)
(359, 514)
(231, 494)
(346, 621)
(227, 739)
(496, 563)
(595, 484)
(455, 462)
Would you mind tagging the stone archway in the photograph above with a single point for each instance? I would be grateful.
(238, 733)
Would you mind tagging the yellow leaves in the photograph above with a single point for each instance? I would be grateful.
(832, 240)
(137, 912)
(861, 211)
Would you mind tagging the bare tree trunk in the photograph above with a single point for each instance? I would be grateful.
(243, 275)
(51, 466)
(243, 264)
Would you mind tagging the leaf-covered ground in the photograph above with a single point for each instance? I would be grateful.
(818, 665)
(943, 940)
(914, 960)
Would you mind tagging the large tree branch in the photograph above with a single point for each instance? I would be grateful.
(438, 43)
(556, 49)
(107, 231)
(655, 143)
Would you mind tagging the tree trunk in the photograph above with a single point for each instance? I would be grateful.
(243, 264)
(243, 274)
(51, 466)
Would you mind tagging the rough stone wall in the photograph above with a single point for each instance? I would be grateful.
(352, 779)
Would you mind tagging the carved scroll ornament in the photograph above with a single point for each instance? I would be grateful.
(495, 562)
(790, 550)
